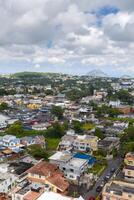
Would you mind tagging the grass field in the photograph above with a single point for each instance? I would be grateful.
(52, 143)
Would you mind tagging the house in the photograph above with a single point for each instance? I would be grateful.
(81, 143)
(109, 143)
(125, 109)
(129, 172)
(3, 196)
(74, 168)
(60, 98)
(27, 141)
(129, 159)
(10, 141)
(129, 166)
(85, 143)
(121, 125)
(114, 104)
(27, 191)
(60, 157)
(55, 196)
(30, 140)
(47, 173)
(67, 142)
(7, 179)
(121, 190)
(40, 127)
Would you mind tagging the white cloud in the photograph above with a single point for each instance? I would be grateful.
(120, 26)
(37, 66)
(71, 29)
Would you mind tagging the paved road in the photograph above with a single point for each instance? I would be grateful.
(114, 163)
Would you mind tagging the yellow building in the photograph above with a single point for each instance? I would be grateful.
(33, 106)
(129, 159)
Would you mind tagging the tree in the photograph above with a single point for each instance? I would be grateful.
(99, 133)
(100, 152)
(112, 112)
(3, 106)
(56, 131)
(57, 111)
(15, 129)
(77, 126)
(49, 92)
(38, 152)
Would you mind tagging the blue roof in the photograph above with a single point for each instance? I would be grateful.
(91, 159)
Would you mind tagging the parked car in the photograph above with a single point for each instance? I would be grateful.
(107, 177)
(91, 198)
(113, 170)
(99, 188)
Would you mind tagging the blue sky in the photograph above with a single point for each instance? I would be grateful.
(67, 36)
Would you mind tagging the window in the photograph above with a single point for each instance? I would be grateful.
(129, 173)
(71, 170)
(71, 176)
(82, 147)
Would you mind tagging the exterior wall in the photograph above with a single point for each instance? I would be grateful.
(53, 188)
(83, 145)
(8, 184)
(73, 172)
(129, 173)
(17, 196)
(36, 178)
(125, 110)
(123, 196)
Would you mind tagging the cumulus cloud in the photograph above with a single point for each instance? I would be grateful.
(67, 33)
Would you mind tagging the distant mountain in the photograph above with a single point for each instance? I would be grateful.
(126, 77)
(31, 74)
(97, 73)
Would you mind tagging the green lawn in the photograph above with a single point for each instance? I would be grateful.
(88, 126)
(52, 143)
(98, 168)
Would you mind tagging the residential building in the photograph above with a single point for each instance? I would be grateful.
(60, 157)
(129, 159)
(109, 143)
(85, 143)
(55, 196)
(120, 190)
(74, 168)
(47, 173)
(129, 166)
(10, 141)
(7, 179)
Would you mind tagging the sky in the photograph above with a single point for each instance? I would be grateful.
(67, 36)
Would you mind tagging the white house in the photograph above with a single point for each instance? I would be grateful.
(74, 168)
(10, 141)
(56, 196)
(7, 179)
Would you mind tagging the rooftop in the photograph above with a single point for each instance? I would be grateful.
(56, 196)
(44, 169)
(62, 156)
(118, 188)
(76, 162)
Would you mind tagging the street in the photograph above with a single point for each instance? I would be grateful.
(114, 163)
